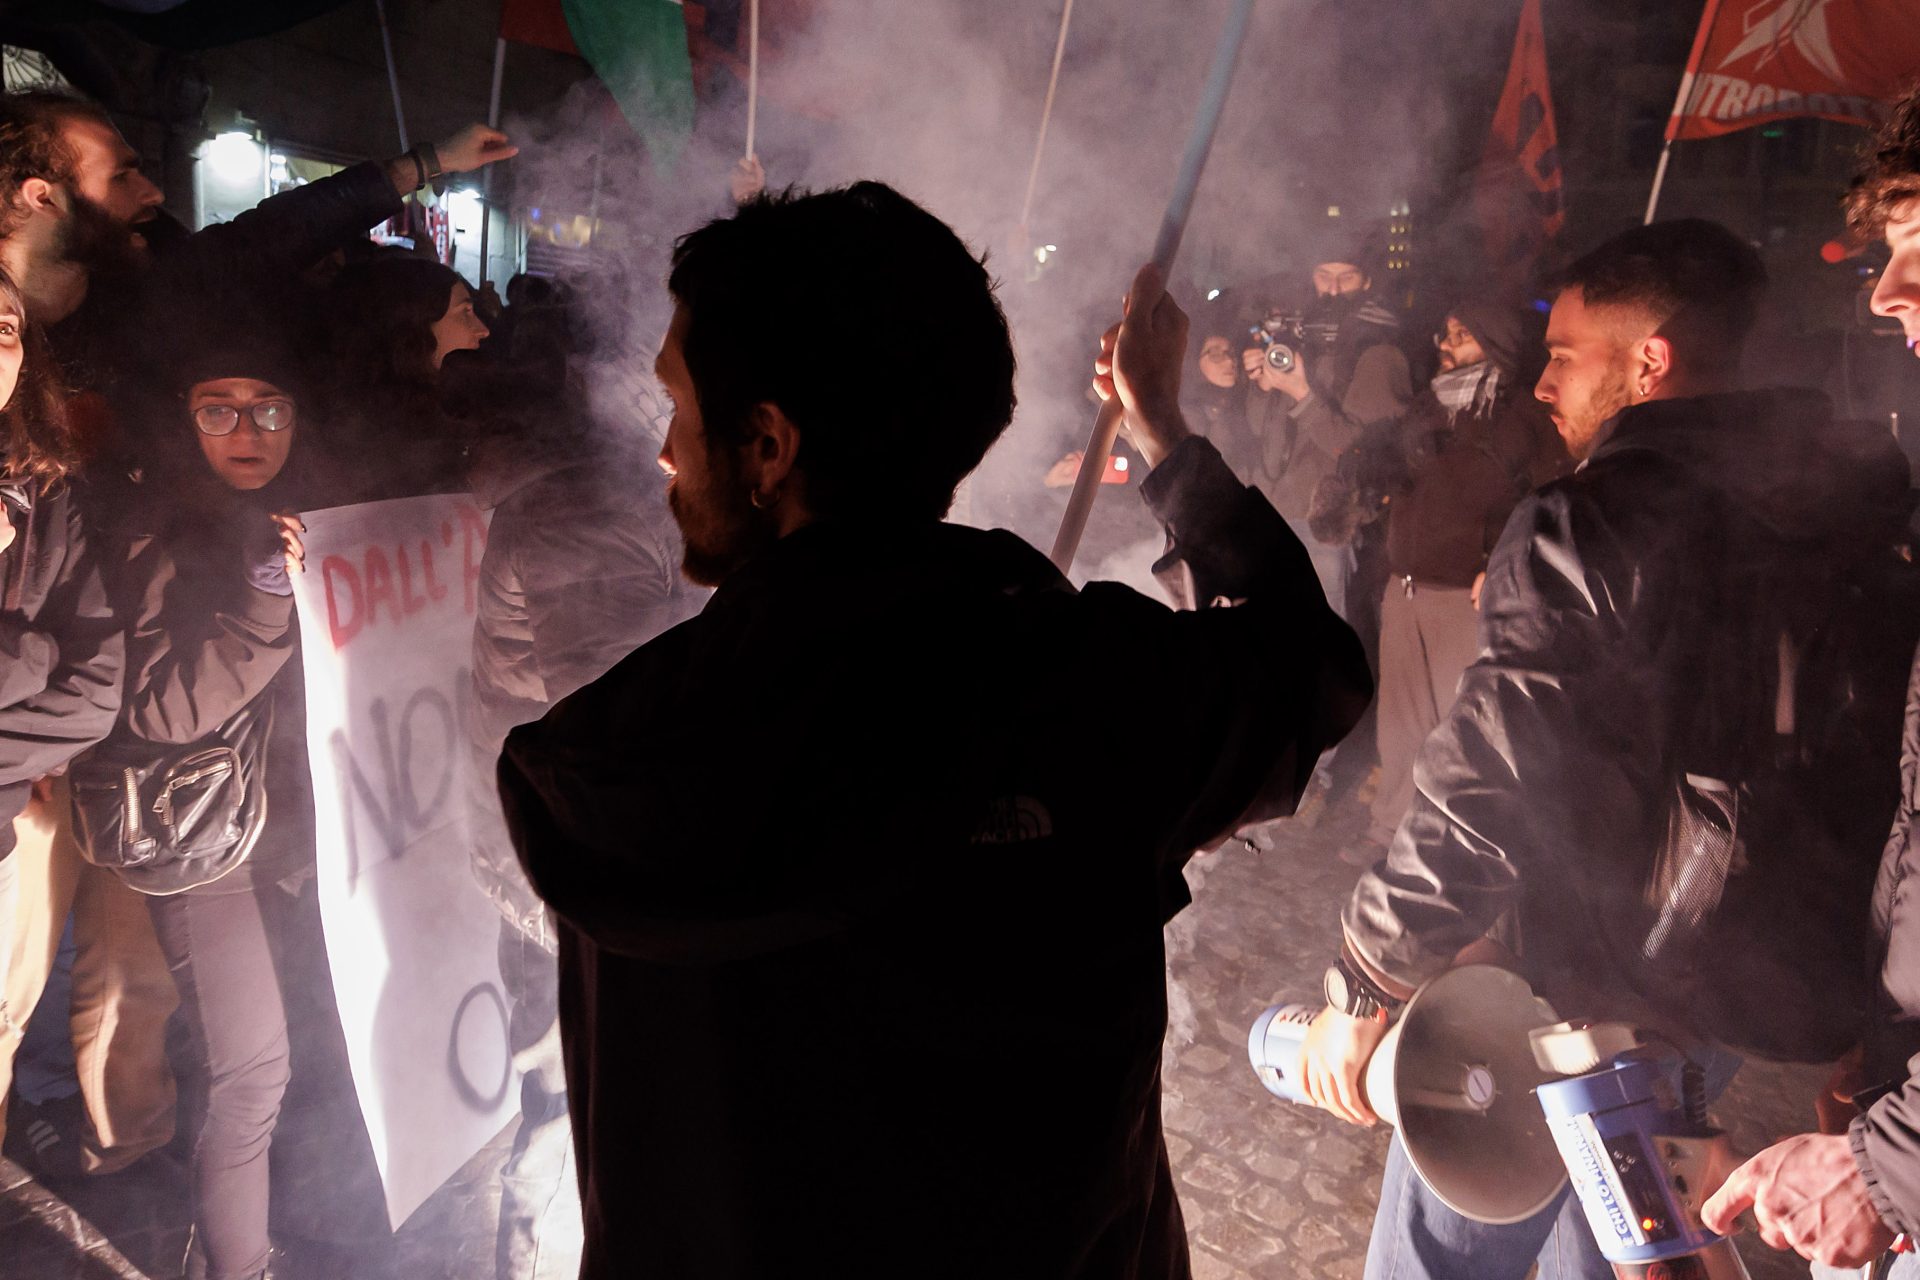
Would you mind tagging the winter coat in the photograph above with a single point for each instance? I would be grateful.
(1611, 637)
(1462, 480)
(1357, 393)
(118, 340)
(861, 889)
(582, 567)
(204, 642)
(1886, 1136)
(61, 648)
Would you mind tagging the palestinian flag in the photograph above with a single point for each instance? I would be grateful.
(638, 49)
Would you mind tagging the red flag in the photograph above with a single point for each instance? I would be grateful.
(1517, 192)
(537, 22)
(1760, 60)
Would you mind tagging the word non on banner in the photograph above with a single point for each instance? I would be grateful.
(386, 631)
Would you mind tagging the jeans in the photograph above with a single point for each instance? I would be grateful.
(1417, 1237)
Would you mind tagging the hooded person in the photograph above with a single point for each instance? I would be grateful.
(214, 720)
(1474, 442)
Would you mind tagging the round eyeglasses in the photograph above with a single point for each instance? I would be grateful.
(221, 419)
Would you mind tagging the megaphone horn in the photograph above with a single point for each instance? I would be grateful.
(1455, 1075)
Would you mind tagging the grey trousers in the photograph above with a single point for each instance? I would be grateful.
(1429, 636)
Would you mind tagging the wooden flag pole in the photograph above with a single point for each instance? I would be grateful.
(1173, 225)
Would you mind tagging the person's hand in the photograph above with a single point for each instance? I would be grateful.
(749, 179)
(472, 147)
(290, 529)
(1834, 1103)
(1479, 585)
(1333, 1058)
(1140, 361)
(1807, 1195)
(1063, 473)
(1267, 378)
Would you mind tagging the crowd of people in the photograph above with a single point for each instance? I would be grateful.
(820, 903)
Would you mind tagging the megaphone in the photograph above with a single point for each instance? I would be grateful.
(1455, 1075)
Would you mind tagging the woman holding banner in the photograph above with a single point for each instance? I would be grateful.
(201, 797)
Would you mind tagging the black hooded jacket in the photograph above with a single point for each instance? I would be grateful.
(861, 882)
(1619, 625)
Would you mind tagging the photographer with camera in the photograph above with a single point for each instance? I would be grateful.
(1324, 380)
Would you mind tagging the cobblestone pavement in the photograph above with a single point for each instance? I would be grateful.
(1271, 1191)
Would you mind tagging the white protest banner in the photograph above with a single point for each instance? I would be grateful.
(386, 630)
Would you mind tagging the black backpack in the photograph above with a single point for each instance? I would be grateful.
(168, 819)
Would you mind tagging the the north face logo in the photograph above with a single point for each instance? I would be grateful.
(1013, 820)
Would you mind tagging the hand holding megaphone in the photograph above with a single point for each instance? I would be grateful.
(1333, 1062)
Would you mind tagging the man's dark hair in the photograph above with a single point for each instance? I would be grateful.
(31, 144)
(871, 326)
(1892, 176)
(1698, 282)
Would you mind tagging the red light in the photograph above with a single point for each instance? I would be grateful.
(1646, 1224)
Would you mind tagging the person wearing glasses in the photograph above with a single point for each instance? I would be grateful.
(212, 637)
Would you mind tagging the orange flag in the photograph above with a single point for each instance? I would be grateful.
(1517, 192)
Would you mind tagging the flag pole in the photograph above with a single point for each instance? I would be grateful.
(1173, 226)
(486, 175)
(393, 74)
(1682, 104)
(753, 72)
(1046, 115)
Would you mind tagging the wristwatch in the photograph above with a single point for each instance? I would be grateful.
(1349, 990)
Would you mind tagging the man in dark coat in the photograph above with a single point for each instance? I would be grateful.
(1838, 1197)
(860, 894)
(1645, 621)
(1473, 444)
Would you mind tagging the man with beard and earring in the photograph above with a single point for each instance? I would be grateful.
(860, 919)
(1698, 642)
(1471, 447)
(1333, 414)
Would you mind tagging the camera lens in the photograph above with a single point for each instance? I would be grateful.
(1281, 357)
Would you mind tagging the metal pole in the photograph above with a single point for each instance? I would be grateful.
(1682, 103)
(486, 175)
(1046, 115)
(1173, 226)
(393, 75)
(753, 72)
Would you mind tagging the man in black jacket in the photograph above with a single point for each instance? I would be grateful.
(1644, 624)
(1838, 1197)
(860, 915)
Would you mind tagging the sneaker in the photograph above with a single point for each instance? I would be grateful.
(49, 1140)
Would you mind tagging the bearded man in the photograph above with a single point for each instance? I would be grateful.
(1652, 630)
(861, 962)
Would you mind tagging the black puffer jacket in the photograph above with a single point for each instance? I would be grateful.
(61, 648)
(1617, 633)
(861, 894)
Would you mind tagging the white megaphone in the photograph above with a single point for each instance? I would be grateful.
(1455, 1075)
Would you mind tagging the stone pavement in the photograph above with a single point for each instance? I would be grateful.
(1271, 1191)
